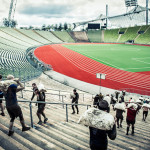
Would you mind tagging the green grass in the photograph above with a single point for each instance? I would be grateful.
(133, 58)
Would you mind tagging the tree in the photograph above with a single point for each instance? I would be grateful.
(60, 27)
(52, 27)
(56, 27)
(65, 26)
(6, 22)
(30, 27)
(48, 27)
(13, 23)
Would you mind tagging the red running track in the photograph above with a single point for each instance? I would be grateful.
(75, 65)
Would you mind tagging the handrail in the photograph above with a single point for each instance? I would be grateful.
(30, 105)
(46, 93)
(63, 91)
(61, 97)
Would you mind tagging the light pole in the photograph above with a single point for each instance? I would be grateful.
(100, 76)
(147, 12)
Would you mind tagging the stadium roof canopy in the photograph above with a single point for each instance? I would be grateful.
(135, 16)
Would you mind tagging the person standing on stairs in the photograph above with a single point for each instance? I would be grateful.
(131, 118)
(34, 87)
(1, 103)
(75, 101)
(145, 112)
(1, 96)
(41, 106)
(98, 137)
(119, 116)
(12, 106)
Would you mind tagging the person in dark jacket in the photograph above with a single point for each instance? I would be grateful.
(98, 138)
(41, 106)
(75, 101)
(101, 97)
(117, 95)
(113, 101)
(34, 88)
(1, 102)
(12, 106)
(96, 101)
(122, 98)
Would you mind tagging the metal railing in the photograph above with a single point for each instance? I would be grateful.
(63, 91)
(65, 104)
(59, 91)
(25, 74)
(61, 97)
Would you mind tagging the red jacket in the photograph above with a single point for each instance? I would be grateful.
(131, 114)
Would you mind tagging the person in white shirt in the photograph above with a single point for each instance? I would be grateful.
(108, 99)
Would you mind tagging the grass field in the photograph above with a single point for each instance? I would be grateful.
(133, 58)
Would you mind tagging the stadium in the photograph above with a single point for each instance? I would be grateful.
(103, 55)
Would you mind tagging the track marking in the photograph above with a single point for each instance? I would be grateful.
(140, 60)
(136, 68)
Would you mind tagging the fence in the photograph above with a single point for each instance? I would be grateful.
(61, 97)
(61, 94)
(24, 74)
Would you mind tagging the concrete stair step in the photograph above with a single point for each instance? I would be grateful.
(57, 114)
(58, 145)
(84, 138)
(20, 139)
(62, 137)
(136, 138)
(9, 143)
(47, 135)
(57, 134)
(140, 129)
(120, 136)
(70, 131)
(30, 135)
(58, 130)
(87, 139)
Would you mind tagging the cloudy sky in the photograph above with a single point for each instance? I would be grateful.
(39, 12)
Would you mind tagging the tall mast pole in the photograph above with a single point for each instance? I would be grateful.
(10, 10)
(147, 12)
(106, 16)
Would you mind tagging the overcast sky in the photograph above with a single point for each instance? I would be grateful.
(39, 12)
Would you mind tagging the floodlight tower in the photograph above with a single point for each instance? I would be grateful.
(12, 11)
(131, 3)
